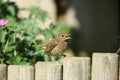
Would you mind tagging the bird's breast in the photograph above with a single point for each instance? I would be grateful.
(59, 49)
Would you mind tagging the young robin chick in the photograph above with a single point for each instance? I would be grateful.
(57, 45)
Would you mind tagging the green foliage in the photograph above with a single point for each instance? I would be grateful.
(18, 38)
(39, 14)
(8, 9)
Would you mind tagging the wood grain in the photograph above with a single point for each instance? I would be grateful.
(105, 66)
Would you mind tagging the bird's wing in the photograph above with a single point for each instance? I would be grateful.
(51, 45)
(59, 49)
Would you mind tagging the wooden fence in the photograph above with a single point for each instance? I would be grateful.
(104, 67)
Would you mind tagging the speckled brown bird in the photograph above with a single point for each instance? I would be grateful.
(57, 45)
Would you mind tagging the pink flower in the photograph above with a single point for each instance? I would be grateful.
(3, 22)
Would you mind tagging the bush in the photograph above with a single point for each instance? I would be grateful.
(18, 38)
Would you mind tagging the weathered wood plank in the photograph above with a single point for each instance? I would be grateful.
(19, 72)
(3, 72)
(48, 71)
(105, 66)
(76, 68)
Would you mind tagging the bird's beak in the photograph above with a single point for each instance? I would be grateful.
(68, 37)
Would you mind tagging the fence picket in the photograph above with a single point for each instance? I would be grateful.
(3, 74)
(48, 71)
(105, 66)
(76, 68)
(19, 72)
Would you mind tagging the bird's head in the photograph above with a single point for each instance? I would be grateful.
(64, 37)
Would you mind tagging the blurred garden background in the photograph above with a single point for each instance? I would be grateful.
(93, 26)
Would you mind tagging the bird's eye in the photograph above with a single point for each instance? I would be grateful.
(62, 35)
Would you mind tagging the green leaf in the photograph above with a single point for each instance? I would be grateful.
(39, 14)
(47, 58)
(2, 35)
(11, 8)
(24, 63)
(12, 38)
(18, 58)
(48, 35)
